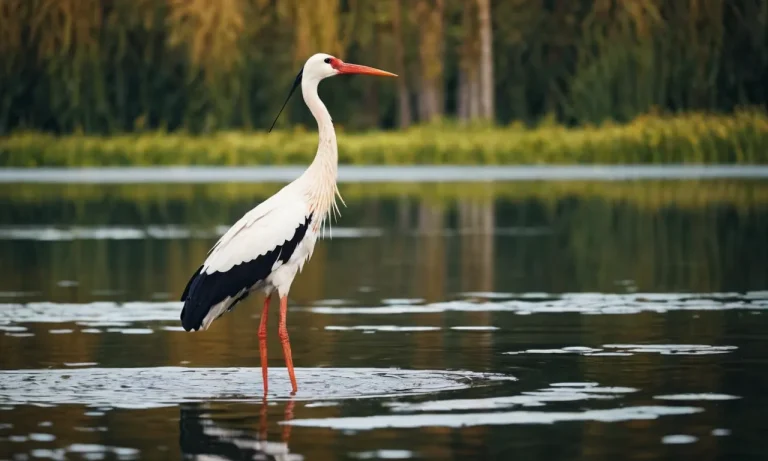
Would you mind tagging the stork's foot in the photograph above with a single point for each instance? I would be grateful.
(285, 340)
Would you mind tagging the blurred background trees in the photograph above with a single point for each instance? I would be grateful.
(106, 66)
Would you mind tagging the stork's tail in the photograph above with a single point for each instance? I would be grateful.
(190, 318)
(209, 296)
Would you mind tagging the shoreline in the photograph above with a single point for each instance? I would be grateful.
(378, 174)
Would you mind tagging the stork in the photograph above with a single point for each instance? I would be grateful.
(269, 245)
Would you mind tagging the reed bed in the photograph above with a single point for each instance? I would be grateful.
(697, 138)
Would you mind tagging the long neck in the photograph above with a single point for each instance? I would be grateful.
(327, 151)
(323, 171)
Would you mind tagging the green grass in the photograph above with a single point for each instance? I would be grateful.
(741, 137)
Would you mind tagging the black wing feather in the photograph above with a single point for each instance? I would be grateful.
(203, 291)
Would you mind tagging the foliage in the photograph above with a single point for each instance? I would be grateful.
(99, 66)
(691, 138)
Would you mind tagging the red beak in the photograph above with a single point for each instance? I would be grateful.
(344, 68)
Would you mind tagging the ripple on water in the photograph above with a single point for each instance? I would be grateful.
(674, 349)
(609, 350)
(88, 448)
(492, 418)
(579, 303)
(168, 386)
(401, 328)
(691, 397)
(175, 232)
(486, 411)
(51, 233)
(678, 439)
(383, 454)
(90, 314)
(98, 314)
(20, 335)
(538, 398)
(401, 301)
(131, 331)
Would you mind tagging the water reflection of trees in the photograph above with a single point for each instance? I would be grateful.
(476, 226)
(566, 242)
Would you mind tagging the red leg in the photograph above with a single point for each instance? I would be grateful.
(283, 333)
(263, 341)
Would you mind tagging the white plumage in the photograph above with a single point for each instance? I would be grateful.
(262, 229)
(269, 245)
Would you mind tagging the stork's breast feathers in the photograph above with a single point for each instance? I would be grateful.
(246, 255)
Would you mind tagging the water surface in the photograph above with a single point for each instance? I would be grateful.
(559, 319)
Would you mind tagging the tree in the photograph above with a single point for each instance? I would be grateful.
(429, 18)
(475, 93)
(468, 87)
(405, 117)
(107, 66)
(486, 59)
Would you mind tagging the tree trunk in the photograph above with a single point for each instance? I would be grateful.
(486, 59)
(475, 89)
(470, 103)
(429, 16)
(403, 97)
(462, 96)
(466, 62)
(468, 107)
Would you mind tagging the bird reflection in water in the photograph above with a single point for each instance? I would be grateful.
(203, 436)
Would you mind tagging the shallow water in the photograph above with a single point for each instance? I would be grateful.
(473, 320)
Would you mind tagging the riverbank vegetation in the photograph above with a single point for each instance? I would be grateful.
(690, 138)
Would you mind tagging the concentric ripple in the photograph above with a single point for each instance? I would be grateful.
(168, 386)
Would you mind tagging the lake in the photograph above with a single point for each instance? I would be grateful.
(578, 313)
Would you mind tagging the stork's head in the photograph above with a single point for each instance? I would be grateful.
(320, 66)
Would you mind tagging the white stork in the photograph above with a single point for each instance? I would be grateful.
(268, 246)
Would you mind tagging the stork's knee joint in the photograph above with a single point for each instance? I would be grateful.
(283, 333)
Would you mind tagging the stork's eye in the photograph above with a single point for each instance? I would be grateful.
(327, 60)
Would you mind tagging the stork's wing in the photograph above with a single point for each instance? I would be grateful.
(246, 254)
